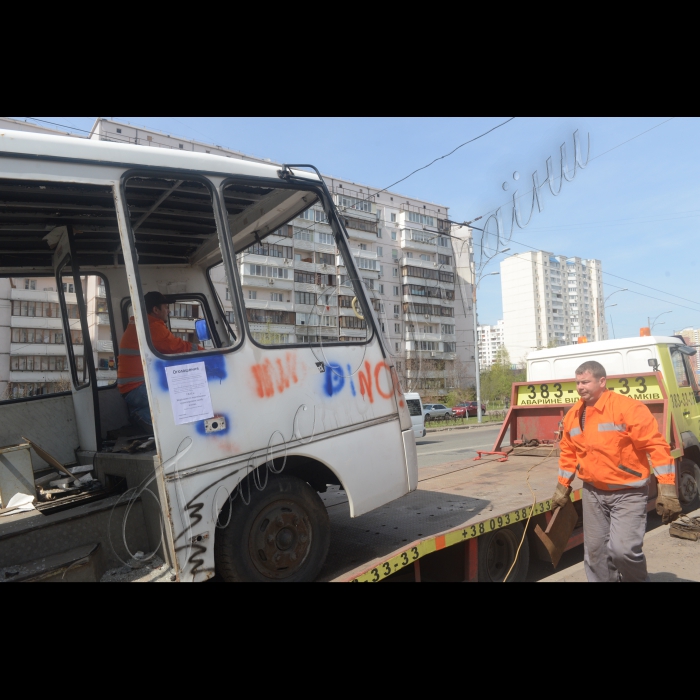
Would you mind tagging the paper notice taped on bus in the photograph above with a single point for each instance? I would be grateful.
(189, 392)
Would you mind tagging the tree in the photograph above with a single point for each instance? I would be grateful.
(496, 382)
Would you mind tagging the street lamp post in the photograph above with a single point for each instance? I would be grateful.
(602, 310)
(654, 323)
(476, 332)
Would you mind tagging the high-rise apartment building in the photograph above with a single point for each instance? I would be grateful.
(33, 352)
(295, 284)
(491, 340)
(550, 300)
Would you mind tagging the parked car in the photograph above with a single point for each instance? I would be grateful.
(436, 411)
(468, 408)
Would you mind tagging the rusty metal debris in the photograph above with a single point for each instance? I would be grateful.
(687, 528)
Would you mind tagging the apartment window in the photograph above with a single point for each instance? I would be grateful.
(354, 203)
(381, 289)
(252, 294)
(397, 328)
(383, 329)
(180, 310)
(119, 131)
(394, 253)
(450, 347)
(396, 293)
(30, 284)
(381, 270)
(396, 345)
(305, 298)
(269, 316)
(276, 296)
(396, 306)
(393, 234)
(228, 294)
(366, 264)
(447, 329)
(327, 300)
(303, 234)
(409, 254)
(444, 242)
(394, 271)
(380, 251)
(181, 146)
(271, 250)
(421, 219)
(393, 218)
(362, 246)
(425, 257)
(445, 259)
(325, 238)
(69, 288)
(325, 259)
(352, 322)
(305, 277)
(379, 233)
(268, 271)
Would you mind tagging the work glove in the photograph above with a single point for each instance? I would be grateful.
(667, 504)
(561, 496)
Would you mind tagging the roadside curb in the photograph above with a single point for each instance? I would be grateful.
(463, 427)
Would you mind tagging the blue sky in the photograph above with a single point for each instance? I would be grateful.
(634, 208)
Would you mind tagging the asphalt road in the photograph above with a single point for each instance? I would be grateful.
(449, 446)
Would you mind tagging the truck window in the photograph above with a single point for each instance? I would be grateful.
(296, 287)
(679, 368)
(176, 239)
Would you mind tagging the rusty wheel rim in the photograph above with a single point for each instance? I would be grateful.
(688, 487)
(500, 554)
(280, 539)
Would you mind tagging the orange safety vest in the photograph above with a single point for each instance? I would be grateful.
(619, 443)
(130, 368)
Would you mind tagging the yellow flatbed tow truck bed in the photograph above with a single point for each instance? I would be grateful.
(455, 504)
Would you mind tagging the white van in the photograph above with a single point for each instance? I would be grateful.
(415, 408)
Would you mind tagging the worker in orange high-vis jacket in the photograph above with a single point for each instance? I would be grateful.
(130, 379)
(613, 441)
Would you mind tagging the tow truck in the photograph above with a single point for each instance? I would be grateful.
(467, 519)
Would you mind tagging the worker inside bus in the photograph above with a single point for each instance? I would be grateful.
(130, 379)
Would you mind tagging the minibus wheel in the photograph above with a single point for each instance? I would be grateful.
(279, 533)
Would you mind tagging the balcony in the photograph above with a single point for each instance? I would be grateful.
(103, 319)
(101, 291)
(39, 295)
(53, 349)
(104, 346)
(268, 304)
(274, 283)
(421, 241)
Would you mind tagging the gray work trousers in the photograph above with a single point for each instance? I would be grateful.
(614, 523)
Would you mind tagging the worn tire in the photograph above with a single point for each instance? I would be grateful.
(282, 535)
(689, 486)
(496, 552)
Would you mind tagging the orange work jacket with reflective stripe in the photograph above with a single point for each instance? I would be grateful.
(617, 447)
(130, 369)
